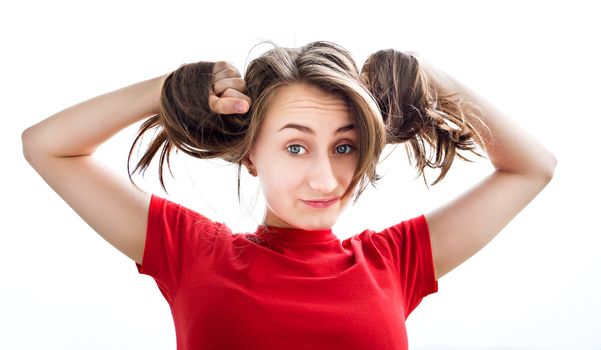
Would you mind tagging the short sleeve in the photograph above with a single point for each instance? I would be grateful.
(409, 249)
(175, 237)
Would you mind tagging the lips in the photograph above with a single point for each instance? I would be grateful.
(322, 200)
(321, 203)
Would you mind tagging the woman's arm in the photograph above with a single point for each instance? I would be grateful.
(523, 166)
(78, 130)
(60, 149)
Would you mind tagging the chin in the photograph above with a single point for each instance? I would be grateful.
(319, 223)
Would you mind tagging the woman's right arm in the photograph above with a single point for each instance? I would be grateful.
(60, 149)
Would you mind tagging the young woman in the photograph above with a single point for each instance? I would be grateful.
(311, 127)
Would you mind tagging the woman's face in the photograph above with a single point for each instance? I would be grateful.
(307, 149)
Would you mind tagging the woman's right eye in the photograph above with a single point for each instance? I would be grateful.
(294, 148)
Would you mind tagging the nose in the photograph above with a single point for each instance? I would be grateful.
(322, 177)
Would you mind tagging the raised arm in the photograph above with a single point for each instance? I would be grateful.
(60, 149)
(523, 167)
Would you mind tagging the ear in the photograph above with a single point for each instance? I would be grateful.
(248, 163)
(248, 160)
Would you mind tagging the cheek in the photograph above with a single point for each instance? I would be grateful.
(280, 180)
(346, 170)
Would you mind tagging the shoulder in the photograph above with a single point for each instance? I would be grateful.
(170, 214)
(412, 225)
(397, 239)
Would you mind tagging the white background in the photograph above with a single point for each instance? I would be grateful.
(535, 286)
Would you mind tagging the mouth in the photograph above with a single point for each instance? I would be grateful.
(321, 203)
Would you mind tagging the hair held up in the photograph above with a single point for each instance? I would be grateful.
(392, 101)
(416, 112)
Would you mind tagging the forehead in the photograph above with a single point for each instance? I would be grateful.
(308, 105)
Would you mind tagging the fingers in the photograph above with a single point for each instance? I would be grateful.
(222, 69)
(228, 89)
(227, 103)
(221, 85)
(231, 93)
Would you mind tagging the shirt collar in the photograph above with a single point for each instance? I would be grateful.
(285, 234)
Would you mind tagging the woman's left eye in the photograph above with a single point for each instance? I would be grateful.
(348, 147)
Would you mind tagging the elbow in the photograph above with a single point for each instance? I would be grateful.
(553, 165)
(24, 143)
(27, 144)
(543, 170)
(548, 170)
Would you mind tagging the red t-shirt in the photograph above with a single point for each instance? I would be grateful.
(299, 289)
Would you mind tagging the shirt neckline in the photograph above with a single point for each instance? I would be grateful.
(286, 234)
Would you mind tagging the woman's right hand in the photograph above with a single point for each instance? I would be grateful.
(227, 93)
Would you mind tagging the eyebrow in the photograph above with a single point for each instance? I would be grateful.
(307, 129)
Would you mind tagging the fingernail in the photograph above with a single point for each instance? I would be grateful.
(240, 107)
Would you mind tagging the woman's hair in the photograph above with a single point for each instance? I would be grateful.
(392, 103)
(415, 109)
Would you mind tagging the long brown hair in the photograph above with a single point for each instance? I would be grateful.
(392, 104)
(416, 111)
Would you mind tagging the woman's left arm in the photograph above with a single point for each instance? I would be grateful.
(523, 167)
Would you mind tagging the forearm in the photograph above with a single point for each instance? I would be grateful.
(78, 130)
(511, 148)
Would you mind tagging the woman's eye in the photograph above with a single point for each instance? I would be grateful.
(294, 149)
(349, 148)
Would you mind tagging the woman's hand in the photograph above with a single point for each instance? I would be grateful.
(227, 93)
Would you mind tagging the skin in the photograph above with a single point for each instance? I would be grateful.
(523, 167)
(59, 148)
(294, 165)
